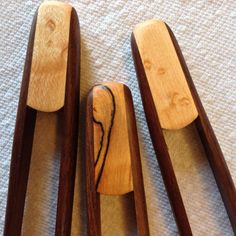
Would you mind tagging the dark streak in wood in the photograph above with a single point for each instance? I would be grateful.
(103, 133)
(101, 142)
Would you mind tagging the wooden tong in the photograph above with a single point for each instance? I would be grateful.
(50, 82)
(113, 164)
(171, 102)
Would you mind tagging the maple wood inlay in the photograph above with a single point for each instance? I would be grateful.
(49, 61)
(166, 79)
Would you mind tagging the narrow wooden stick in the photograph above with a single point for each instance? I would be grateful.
(93, 199)
(161, 70)
(139, 194)
(21, 151)
(160, 146)
(70, 131)
(50, 82)
(211, 145)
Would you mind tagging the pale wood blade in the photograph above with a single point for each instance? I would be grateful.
(49, 61)
(112, 154)
(170, 92)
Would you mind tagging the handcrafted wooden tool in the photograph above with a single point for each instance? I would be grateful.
(113, 164)
(171, 102)
(50, 82)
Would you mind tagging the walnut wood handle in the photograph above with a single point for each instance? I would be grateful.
(162, 51)
(113, 164)
(160, 147)
(211, 145)
(70, 131)
(21, 151)
(31, 101)
(159, 143)
(93, 199)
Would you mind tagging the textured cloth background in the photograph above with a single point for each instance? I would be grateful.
(206, 32)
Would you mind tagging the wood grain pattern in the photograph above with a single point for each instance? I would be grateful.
(208, 138)
(170, 91)
(49, 61)
(110, 113)
(24, 132)
(111, 147)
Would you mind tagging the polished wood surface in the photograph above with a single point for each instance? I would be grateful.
(49, 61)
(111, 142)
(211, 145)
(21, 151)
(205, 130)
(24, 132)
(92, 196)
(110, 112)
(166, 79)
(69, 131)
(159, 143)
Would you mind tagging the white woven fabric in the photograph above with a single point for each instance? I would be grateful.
(206, 32)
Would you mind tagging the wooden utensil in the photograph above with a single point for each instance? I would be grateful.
(171, 102)
(113, 164)
(50, 82)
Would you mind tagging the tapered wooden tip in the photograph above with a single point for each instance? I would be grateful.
(111, 139)
(49, 61)
(164, 74)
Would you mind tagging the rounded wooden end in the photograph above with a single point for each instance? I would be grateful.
(164, 74)
(112, 155)
(49, 58)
